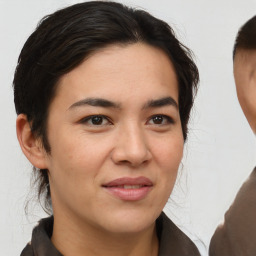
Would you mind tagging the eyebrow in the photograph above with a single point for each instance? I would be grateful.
(96, 102)
(166, 101)
(99, 102)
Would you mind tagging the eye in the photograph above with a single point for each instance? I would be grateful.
(96, 120)
(160, 120)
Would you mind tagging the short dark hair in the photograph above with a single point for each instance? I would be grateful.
(246, 36)
(64, 39)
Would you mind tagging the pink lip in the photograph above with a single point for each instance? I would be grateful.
(116, 188)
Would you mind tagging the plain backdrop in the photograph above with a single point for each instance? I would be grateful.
(220, 152)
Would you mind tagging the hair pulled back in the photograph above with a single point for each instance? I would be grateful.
(64, 39)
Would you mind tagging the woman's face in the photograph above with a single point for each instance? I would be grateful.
(116, 139)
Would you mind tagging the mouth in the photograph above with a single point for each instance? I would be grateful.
(129, 189)
(130, 186)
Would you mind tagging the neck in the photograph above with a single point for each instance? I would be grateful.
(72, 238)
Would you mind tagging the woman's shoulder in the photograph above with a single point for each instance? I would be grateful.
(27, 251)
(41, 244)
(172, 241)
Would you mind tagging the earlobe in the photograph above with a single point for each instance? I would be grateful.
(31, 146)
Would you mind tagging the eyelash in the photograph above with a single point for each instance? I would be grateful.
(168, 119)
(85, 120)
(88, 118)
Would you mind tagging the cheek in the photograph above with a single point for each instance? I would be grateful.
(246, 93)
(79, 156)
(74, 165)
(78, 153)
(169, 152)
(249, 95)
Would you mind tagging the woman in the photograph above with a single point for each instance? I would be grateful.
(103, 94)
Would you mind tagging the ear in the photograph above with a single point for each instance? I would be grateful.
(31, 146)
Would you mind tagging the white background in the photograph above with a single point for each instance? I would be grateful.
(220, 152)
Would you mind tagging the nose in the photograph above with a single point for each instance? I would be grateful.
(131, 147)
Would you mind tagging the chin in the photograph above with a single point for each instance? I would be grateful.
(133, 221)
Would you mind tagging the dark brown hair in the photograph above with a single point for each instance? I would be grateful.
(65, 38)
(246, 36)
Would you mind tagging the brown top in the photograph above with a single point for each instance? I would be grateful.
(172, 241)
(237, 236)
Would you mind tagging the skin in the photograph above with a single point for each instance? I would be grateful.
(129, 142)
(245, 79)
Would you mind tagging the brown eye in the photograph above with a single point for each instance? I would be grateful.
(157, 119)
(96, 120)
(160, 120)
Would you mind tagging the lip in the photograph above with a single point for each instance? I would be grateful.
(129, 189)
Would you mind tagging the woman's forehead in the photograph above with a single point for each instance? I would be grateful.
(118, 71)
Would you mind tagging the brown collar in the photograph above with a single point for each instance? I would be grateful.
(172, 241)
